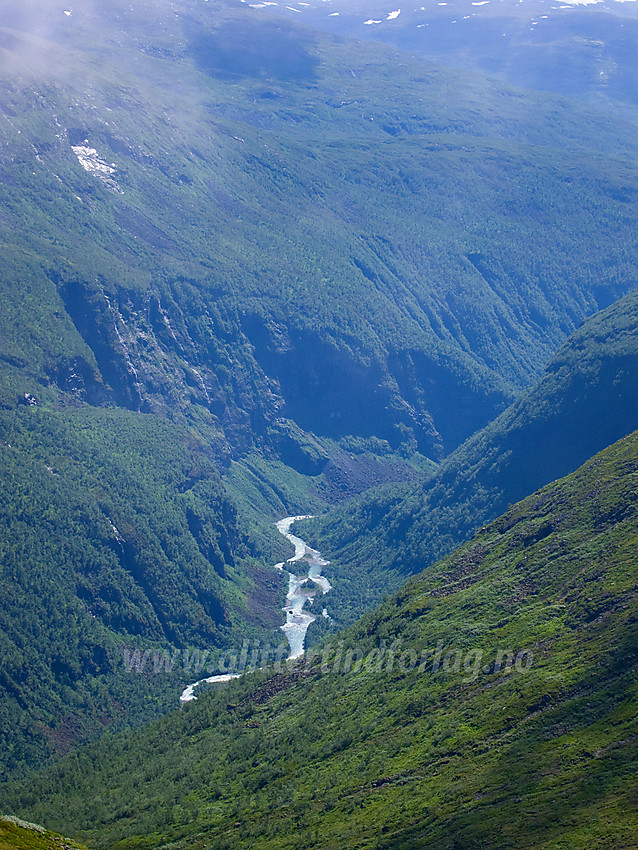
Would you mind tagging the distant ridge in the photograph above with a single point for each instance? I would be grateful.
(586, 399)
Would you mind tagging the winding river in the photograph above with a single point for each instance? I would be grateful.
(302, 590)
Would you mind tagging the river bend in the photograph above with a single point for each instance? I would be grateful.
(302, 590)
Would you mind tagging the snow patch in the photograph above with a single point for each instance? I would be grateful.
(91, 162)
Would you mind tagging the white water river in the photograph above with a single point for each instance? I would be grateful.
(302, 590)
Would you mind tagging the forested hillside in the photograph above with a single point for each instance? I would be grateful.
(247, 270)
(586, 399)
(491, 703)
(116, 533)
(212, 213)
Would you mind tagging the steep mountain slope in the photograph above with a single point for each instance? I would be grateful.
(500, 712)
(116, 534)
(586, 399)
(233, 244)
(223, 212)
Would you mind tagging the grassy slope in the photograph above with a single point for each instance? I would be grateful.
(586, 399)
(19, 835)
(471, 755)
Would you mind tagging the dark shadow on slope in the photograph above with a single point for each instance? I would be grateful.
(255, 49)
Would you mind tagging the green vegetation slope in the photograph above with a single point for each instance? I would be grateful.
(586, 399)
(576, 49)
(116, 535)
(230, 240)
(213, 214)
(502, 713)
(20, 835)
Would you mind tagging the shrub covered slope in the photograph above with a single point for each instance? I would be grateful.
(232, 245)
(586, 399)
(470, 750)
